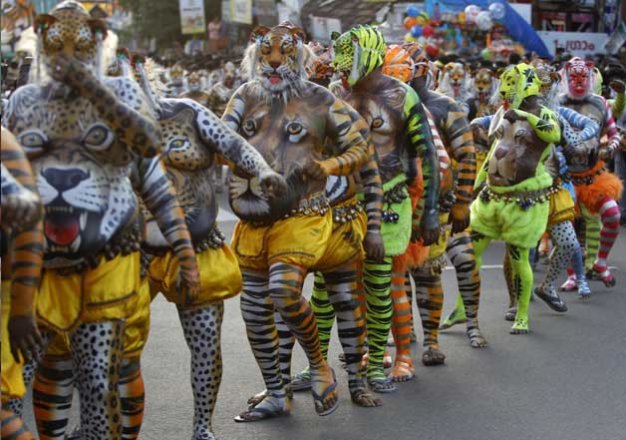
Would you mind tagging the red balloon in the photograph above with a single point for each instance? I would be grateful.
(428, 31)
(432, 50)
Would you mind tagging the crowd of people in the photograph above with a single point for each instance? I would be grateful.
(364, 163)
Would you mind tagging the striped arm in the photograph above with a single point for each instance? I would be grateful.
(351, 140)
(610, 129)
(27, 258)
(421, 145)
(159, 196)
(372, 190)
(588, 128)
(460, 142)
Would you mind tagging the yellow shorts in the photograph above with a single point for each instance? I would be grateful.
(136, 328)
(300, 240)
(345, 243)
(561, 207)
(12, 382)
(105, 293)
(220, 277)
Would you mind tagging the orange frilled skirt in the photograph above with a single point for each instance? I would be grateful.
(605, 184)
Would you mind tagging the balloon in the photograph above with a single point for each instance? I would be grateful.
(412, 11)
(409, 38)
(432, 50)
(497, 10)
(461, 18)
(423, 19)
(486, 54)
(416, 31)
(428, 31)
(471, 13)
(409, 22)
(483, 21)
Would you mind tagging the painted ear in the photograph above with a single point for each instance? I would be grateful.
(334, 35)
(590, 64)
(258, 32)
(298, 34)
(43, 22)
(98, 26)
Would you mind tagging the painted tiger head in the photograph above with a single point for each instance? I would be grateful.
(357, 53)
(17, 16)
(455, 74)
(579, 75)
(483, 82)
(398, 64)
(518, 83)
(194, 81)
(276, 58)
(70, 29)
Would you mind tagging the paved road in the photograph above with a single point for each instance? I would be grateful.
(566, 380)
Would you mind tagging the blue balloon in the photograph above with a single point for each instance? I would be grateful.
(416, 31)
(412, 11)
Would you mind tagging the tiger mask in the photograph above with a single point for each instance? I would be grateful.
(276, 59)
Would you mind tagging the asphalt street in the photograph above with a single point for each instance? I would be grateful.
(565, 380)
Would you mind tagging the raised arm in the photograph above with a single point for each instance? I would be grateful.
(124, 107)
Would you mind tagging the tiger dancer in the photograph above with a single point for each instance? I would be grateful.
(81, 133)
(394, 113)
(294, 124)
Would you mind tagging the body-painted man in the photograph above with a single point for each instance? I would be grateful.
(484, 88)
(596, 188)
(575, 129)
(514, 203)
(305, 134)
(22, 250)
(194, 139)
(400, 134)
(454, 203)
(337, 287)
(176, 84)
(81, 134)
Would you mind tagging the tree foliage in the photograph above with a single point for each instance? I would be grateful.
(160, 19)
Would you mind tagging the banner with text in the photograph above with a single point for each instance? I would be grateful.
(192, 16)
(576, 43)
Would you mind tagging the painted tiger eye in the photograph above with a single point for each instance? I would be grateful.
(294, 128)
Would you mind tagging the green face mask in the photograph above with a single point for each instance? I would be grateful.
(518, 83)
(358, 52)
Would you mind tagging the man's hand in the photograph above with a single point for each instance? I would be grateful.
(21, 210)
(316, 169)
(429, 229)
(374, 246)
(24, 337)
(460, 218)
(273, 184)
(512, 116)
(188, 284)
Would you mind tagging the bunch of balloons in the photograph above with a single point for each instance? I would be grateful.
(483, 19)
(416, 22)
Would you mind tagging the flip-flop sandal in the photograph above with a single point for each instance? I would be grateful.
(357, 395)
(301, 381)
(382, 386)
(255, 414)
(327, 391)
(257, 398)
(402, 371)
(553, 301)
